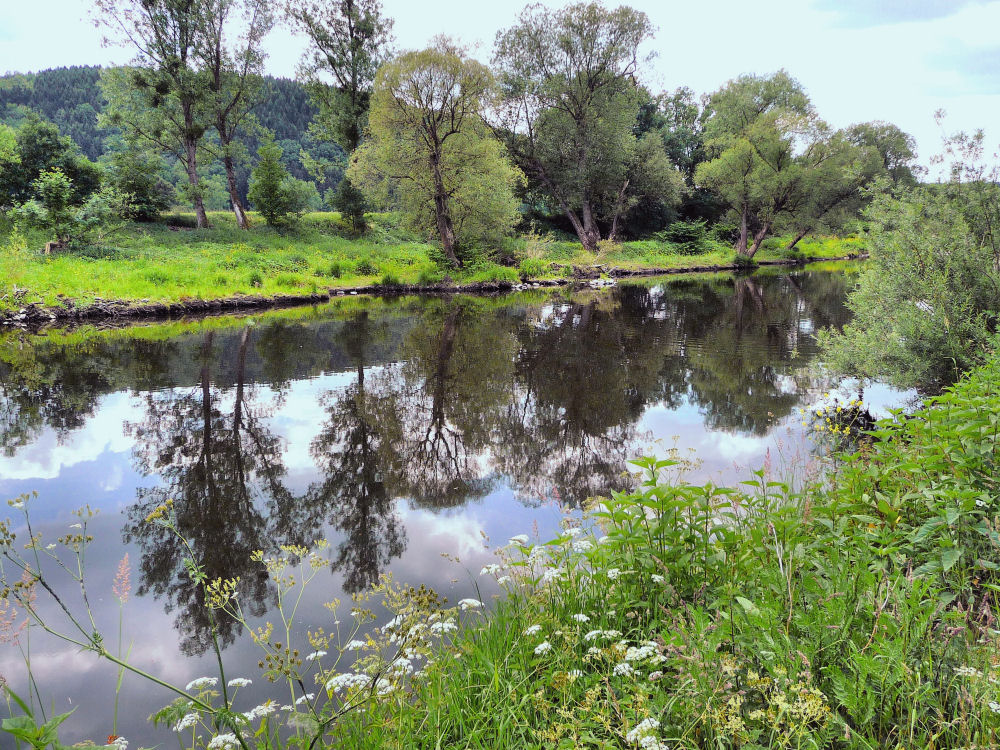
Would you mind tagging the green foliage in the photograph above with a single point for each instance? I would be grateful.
(926, 302)
(689, 237)
(531, 268)
(431, 152)
(53, 212)
(279, 198)
(40, 148)
(365, 267)
(390, 280)
(138, 174)
(350, 202)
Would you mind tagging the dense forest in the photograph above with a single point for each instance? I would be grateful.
(71, 99)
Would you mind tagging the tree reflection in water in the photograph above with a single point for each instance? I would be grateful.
(448, 400)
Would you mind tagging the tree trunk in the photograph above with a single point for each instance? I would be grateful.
(191, 164)
(741, 241)
(798, 237)
(242, 220)
(619, 206)
(446, 229)
(759, 238)
(591, 233)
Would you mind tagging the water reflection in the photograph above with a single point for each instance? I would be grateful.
(432, 402)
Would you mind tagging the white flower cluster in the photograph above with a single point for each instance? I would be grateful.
(613, 574)
(520, 540)
(543, 648)
(238, 682)
(316, 655)
(223, 742)
(582, 545)
(623, 670)
(201, 683)
(657, 578)
(553, 574)
(646, 652)
(354, 645)
(186, 722)
(307, 697)
(120, 742)
(264, 709)
(490, 570)
(465, 604)
(440, 628)
(347, 680)
(644, 735)
(580, 617)
(968, 672)
(595, 634)
(532, 629)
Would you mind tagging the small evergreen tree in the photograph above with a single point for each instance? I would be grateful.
(350, 201)
(272, 191)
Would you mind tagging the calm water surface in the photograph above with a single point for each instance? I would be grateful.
(398, 429)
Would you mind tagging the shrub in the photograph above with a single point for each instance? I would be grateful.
(531, 268)
(337, 269)
(365, 267)
(279, 198)
(390, 280)
(255, 279)
(429, 277)
(350, 202)
(687, 237)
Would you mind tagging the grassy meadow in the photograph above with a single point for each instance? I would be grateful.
(169, 262)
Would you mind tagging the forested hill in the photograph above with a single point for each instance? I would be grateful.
(71, 98)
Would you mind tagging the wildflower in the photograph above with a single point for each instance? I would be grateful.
(16, 504)
(968, 672)
(654, 676)
(490, 570)
(593, 634)
(657, 578)
(581, 617)
(186, 722)
(623, 670)
(582, 545)
(265, 708)
(613, 574)
(121, 586)
(316, 655)
(543, 648)
(347, 680)
(641, 653)
(304, 698)
(552, 575)
(994, 707)
(470, 604)
(223, 742)
(503, 580)
(575, 531)
(440, 628)
(354, 645)
(574, 673)
(643, 728)
(202, 682)
(604, 539)
(120, 742)
(532, 629)
(520, 540)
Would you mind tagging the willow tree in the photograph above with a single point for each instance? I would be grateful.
(568, 109)
(766, 140)
(431, 151)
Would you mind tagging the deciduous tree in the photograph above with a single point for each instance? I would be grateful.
(568, 111)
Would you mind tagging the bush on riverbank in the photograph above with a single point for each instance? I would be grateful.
(170, 261)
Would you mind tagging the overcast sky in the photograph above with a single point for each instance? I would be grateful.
(895, 60)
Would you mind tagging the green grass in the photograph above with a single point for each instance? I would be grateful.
(164, 263)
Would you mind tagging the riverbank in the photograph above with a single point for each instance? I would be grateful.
(857, 612)
(166, 269)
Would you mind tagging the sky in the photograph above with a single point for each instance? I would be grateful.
(859, 60)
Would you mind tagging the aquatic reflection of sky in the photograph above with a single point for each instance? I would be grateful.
(535, 353)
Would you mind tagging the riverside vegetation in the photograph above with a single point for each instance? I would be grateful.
(162, 263)
(852, 610)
